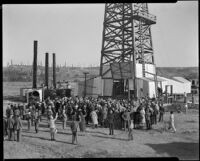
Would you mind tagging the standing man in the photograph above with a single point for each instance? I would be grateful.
(148, 118)
(18, 126)
(162, 111)
(10, 126)
(111, 122)
(126, 117)
(23, 111)
(28, 118)
(74, 127)
(105, 113)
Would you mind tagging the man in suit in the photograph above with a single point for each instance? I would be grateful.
(18, 126)
(126, 117)
(111, 121)
(10, 126)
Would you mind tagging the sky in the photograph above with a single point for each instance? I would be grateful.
(74, 33)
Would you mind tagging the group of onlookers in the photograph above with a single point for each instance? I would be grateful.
(103, 112)
(12, 124)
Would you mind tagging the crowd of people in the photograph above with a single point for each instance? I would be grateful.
(109, 113)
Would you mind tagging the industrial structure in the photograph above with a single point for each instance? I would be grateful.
(127, 52)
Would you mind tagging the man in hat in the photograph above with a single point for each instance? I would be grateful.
(126, 117)
(16, 115)
(33, 110)
(8, 110)
(10, 126)
(111, 121)
(17, 126)
(74, 129)
(161, 111)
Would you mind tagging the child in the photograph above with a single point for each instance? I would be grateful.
(74, 127)
(130, 134)
(172, 122)
(53, 129)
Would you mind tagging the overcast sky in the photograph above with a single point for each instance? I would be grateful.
(74, 33)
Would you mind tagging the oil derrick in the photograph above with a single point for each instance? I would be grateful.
(126, 40)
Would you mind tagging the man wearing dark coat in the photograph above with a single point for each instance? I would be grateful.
(110, 118)
(10, 127)
(126, 117)
(18, 126)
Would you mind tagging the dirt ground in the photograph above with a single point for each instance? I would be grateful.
(183, 144)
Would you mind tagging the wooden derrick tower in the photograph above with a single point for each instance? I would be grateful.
(126, 41)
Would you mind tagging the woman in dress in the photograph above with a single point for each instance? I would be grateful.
(142, 113)
(94, 118)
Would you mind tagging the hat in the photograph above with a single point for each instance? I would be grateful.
(16, 113)
(11, 112)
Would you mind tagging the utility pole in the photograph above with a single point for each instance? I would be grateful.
(85, 73)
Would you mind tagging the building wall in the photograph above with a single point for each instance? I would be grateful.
(97, 90)
(107, 87)
(178, 87)
(74, 88)
(152, 90)
(148, 68)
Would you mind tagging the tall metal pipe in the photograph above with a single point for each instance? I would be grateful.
(46, 69)
(54, 70)
(35, 64)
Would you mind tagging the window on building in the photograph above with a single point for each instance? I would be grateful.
(193, 82)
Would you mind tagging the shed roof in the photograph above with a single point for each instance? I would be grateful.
(151, 79)
(181, 79)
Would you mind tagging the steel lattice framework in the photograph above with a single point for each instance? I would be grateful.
(126, 36)
(117, 45)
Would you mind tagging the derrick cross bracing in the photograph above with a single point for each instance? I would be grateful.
(126, 37)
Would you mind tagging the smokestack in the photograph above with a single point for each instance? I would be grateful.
(46, 69)
(35, 64)
(54, 70)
